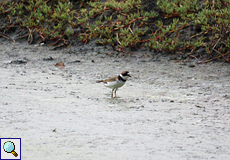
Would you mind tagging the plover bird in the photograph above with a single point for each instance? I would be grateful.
(116, 82)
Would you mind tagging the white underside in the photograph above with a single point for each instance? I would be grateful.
(115, 84)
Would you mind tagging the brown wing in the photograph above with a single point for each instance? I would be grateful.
(110, 79)
(99, 81)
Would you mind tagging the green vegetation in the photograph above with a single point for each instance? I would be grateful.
(179, 26)
(50, 21)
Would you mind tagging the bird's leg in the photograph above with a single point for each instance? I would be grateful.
(115, 92)
(112, 93)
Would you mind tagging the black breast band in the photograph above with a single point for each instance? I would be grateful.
(121, 79)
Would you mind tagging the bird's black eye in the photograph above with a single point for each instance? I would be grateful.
(126, 73)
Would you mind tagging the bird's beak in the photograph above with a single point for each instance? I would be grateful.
(129, 75)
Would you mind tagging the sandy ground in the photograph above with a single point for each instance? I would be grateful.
(166, 110)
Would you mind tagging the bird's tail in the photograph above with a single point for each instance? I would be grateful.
(99, 81)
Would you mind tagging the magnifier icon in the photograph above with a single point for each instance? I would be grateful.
(9, 147)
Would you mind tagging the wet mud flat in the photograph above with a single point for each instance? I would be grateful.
(166, 110)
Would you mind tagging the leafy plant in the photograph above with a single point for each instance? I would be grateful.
(178, 26)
